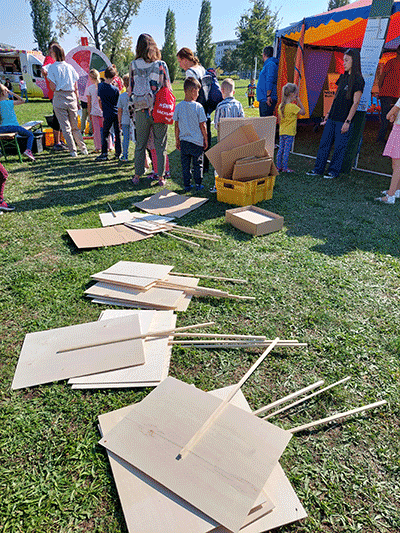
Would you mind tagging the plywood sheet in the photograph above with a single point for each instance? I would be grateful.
(264, 127)
(40, 362)
(183, 304)
(160, 298)
(157, 353)
(167, 202)
(136, 269)
(108, 236)
(126, 281)
(164, 422)
(118, 217)
(147, 505)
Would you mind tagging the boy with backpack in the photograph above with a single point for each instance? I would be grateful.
(191, 134)
(109, 95)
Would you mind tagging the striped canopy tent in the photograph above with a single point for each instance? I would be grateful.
(326, 37)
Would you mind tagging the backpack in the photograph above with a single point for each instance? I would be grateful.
(142, 95)
(164, 106)
(210, 94)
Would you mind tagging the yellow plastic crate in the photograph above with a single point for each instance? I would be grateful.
(244, 192)
(48, 137)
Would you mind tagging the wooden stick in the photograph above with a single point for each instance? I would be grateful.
(337, 416)
(143, 336)
(236, 345)
(180, 238)
(191, 230)
(207, 424)
(111, 209)
(240, 342)
(203, 276)
(228, 336)
(289, 397)
(308, 397)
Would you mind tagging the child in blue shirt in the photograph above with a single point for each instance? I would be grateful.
(109, 95)
(191, 134)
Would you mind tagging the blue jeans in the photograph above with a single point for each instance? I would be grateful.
(285, 145)
(191, 152)
(332, 135)
(125, 143)
(21, 131)
(24, 94)
(266, 110)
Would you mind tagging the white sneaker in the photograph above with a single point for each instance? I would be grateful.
(386, 199)
(73, 154)
(396, 194)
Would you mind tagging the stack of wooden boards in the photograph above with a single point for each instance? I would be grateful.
(116, 351)
(148, 286)
(231, 480)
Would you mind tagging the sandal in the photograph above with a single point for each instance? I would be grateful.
(161, 182)
(135, 180)
(386, 199)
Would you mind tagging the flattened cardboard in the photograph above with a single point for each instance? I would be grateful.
(40, 363)
(152, 434)
(157, 354)
(167, 202)
(157, 298)
(254, 220)
(229, 157)
(108, 236)
(243, 135)
(147, 505)
(251, 168)
(117, 217)
(264, 127)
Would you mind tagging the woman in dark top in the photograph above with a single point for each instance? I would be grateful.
(338, 122)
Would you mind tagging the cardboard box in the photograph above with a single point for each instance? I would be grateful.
(254, 220)
(264, 127)
(240, 137)
(251, 167)
(229, 157)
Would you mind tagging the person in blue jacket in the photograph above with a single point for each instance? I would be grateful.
(266, 89)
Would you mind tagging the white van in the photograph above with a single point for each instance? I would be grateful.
(26, 63)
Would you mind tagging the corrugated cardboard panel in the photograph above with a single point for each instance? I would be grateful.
(108, 236)
(251, 168)
(228, 468)
(40, 360)
(167, 202)
(230, 157)
(264, 127)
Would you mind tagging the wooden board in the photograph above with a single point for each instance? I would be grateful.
(188, 282)
(125, 281)
(153, 433)
(109, 236)
(264, 127)
(157, 353)
(157, 297)
(147, 505)
(40, 363)
(135, 269)
(118, 217)
(167, 202)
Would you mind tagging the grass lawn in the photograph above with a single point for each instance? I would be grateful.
(330, 278)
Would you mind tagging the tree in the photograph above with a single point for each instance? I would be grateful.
(106, 21)
(256, 29)
(42, 23)
(125, 54)
(169, 49)
(205, 50)
(334, 4)
(228, 63)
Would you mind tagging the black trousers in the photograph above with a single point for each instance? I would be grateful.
(191, 154)
(109, 121)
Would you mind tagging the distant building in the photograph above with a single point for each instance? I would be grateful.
(221, 47)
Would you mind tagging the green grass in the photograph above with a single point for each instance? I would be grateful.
(330, 278)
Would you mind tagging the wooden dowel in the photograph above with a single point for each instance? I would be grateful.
(288, 398)
(112, 210)
(228, 336)
(191, 230)
(203, 276)
(180, 238)
(307, 397)
(236, 345)
(241, 342)
(222, 406)
(337, 416)
(143, 336)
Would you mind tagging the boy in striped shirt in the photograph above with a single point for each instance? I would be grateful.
(228, 108)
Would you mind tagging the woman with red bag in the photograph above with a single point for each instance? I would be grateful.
(147, 75)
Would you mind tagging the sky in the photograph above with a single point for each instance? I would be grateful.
(16, 23)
